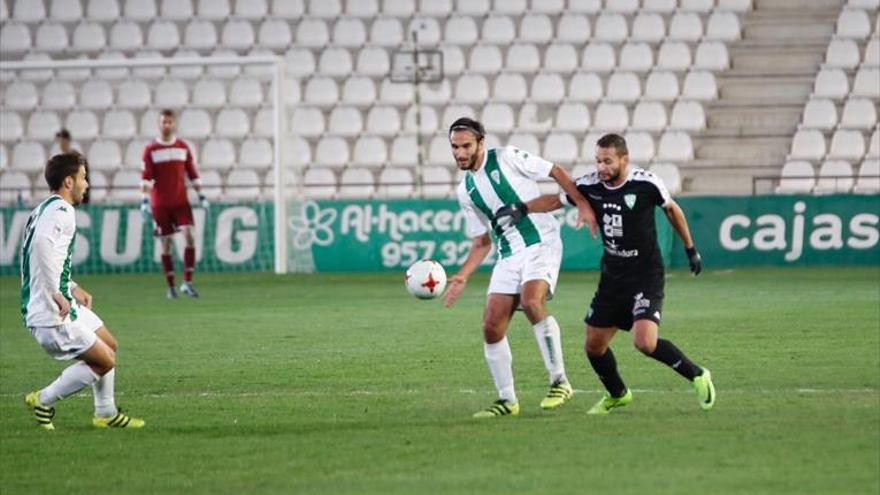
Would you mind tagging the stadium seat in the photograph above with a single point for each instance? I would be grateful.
(332, 151)
(670, 175)
(175, 10)
(598, 57)
(498, 30)
(349, 33)
(807, 144)
(312, 33)
(211, 184)
(610, 27)
(264, 123)
(321, 91)
(4, 157)
(103, 10)
(872, 53)
(237, 35)
(853, 23)
(297, 152)
(700, 85)
(209, 93)
(320, 183)
(14, 38)
(674, 55)
(126, 36)
(712, 55)
(561, 148)
(87, 37)
(30, 75)
(636, 57)
(11, 126)
(214, 10)
(51, 37)
(499, 117)
(648, 27)
(847, 145)
(193, 124)
(428, 29)
(200, 34)
(572, 117)
(797, 177)
(383, 121)
(133, 94)
(357, 182)
(585, 86)
(404, 151)
(582, 169)
(874, 144)
(246, 93)
(523, 58)
(831, 83)
(535, 28)
(641, 147)
(453, 60)
(398, 183)
(399, 8)
(471, 88)
(533, 118)
(835, 176)
(859, 113)
(685, 26)
(345, 121)
(675, 147)
(99, 186)
(274, 33)
(299, 63)
(509, 88)
(560, 57)
(163, 35)
(256, 153)
(438, 150)
(438, 93)
(170, 93)
(119, 124)
(867, 83)
(105, 155)
(335, 62)
(140, 10)
(15, 185)
(659, 6)
(842, 53)
(573, 28)
(232, 123)
(363, 8)
(369, 151)
(611, 117)
(42, 125)
(436, 182)
(649, 116)
(429, 121)
(373, 61)
(819, 114)
(217, 154)
(134, 152)
(869, 178)
(723, 26)
(28, 156)
(585, 6)
(28, 11)
(243, 184)
(735, 5)
(126, 186)
(252, 9)
(397, 94)
(628, 7)
(325, 8)
(21, 95)
(526, 142)
(65, 10)
(461, 30)
(386, 32)
(485, 59)
(623, 86)
(548, 88)
(149, 123)
(359, 91)
(687, 116)
(113, 73)
(453, 112)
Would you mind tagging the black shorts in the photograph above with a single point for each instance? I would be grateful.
(619, 304)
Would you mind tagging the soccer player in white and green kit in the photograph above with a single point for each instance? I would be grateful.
(57, 311)
(529, 255)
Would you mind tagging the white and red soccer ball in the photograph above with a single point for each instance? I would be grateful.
(426, 279)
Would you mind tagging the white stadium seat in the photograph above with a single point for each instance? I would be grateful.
(256, 153)
(171, 93)
(163, 35)
(548, 88)
(636, 57)
(819, 114)
(674, 55)
(859, 113)
(320, 183)
(526, 142)
(299, 62)
(610, 27)
(535, 28)
(712, 55)
(103, 10)
(193, 124)
(252, 9)
(869, 178)
(325, 8)
(214, 10)
(186, 73)
(807, 144)
(42, 125)
(359, 91)
(232, 123)
(57, 95)
(369, 151)
(11, 126)
(585, 6)
(126, 186)
(598, 57)
(461, 30)
(362, 8)
(534, 118)
(321, 91)
(28, 156)
(700, 85)
(29, 10)
(349, 33)
(88, 37)
(640, 146)
(386, 31)
(648, 27)
(119, 124)
(561, 57)
(485, 59)
(245, 92)
(867, 83)
(429, 120)
(439, 150)
(200, 34)
(670, 175)
(723, 26)
(471, 88)
(51, 37)
(133, 94)
(99, 186)
(649, 116)
(572, 117)
(357, 182)
(847, 145)
(853, 23)
(21, 95)
(126, 36)
(659, 6)
(796, 177)
(243, 184)
(499, 117)
(622, 6)
(15, 184)
(396, 183)
(404, 151)
(438, 93)
(335, 62)
(345, 121)
(134, 153)
(509, 88)
(65, 10)
(675, 147)
(831, 83)
(687, 116)
(573, 29)
(585, 86)
(383, 121)
(238, 35)
(685, 26)
(297, 153)
(332, 151)
(436, 182)
(14, 38)
(312, 33)
(522, 58)
(217, 154)
(560, 148)
(175, 10)
(842, 53)
(373, 61)
(835, 176)
(105, 155)
(874, 144)
(611, 117)
(398, 94)
(209, 93)
(623, 86)
(274, 33)
(428, 29)
(498, 30)
(149, 123)
(735, 5)
(140, 10)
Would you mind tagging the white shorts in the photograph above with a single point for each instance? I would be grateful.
(536, 262)
(70, 339)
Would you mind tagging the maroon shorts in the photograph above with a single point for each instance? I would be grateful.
(169, 219)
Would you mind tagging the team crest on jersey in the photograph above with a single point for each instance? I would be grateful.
(496, 176)
(630, 200)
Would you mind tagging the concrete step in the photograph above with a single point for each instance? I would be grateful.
(798, 5)
(777, 59)
(812, 30)
(747, 119)
(770, 149)
(790, 88)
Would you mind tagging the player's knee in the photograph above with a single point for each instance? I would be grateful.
(104, 366)
(493, 331)
(645, 345)
(595, 347)
(532, 305)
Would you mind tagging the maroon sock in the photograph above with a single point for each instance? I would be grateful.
(168, 266)
(189, 263)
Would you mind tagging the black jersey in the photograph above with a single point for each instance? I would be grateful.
(626, 219)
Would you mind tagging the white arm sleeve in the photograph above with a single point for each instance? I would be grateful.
(476, 224)
(530, 165)
(46, 254)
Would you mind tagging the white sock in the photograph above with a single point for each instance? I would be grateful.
(73, 379)
(549, 339)
(500, 361)
(104, 391)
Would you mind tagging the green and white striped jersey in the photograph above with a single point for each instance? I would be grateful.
(507, 175)
(45, 262)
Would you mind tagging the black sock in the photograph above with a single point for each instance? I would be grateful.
(671, 356)
(606, 367)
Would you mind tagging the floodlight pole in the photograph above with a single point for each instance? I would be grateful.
(418, 101)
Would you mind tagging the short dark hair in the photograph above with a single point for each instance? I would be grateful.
(167, 112)
(468, 124)
(615, 141)
(62, 166)
(63, 133)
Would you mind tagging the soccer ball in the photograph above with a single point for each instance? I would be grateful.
(426, 279)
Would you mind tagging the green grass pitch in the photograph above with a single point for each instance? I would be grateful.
(332, 384)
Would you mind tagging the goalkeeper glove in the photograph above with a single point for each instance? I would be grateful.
(203, 201)
(694, 260)
(145, 210)
(510, 215)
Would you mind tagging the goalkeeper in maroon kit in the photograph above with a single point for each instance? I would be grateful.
(167, 161)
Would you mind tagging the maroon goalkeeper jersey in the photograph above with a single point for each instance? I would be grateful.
(167, 165)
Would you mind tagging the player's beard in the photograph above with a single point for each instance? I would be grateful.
(612, 178)
(472, 162)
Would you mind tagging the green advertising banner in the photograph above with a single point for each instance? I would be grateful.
(115, 239)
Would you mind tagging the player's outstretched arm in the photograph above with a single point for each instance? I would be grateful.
(679, 224)
(480, 248)
(586, 215)
(82, 296)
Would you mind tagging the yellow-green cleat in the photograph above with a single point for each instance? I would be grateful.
(608, 403)
(42, 414)
(560, 392)
(705, 390)
(498, 408)
(119, 420)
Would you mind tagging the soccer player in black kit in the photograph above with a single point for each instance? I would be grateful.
(630, 294)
